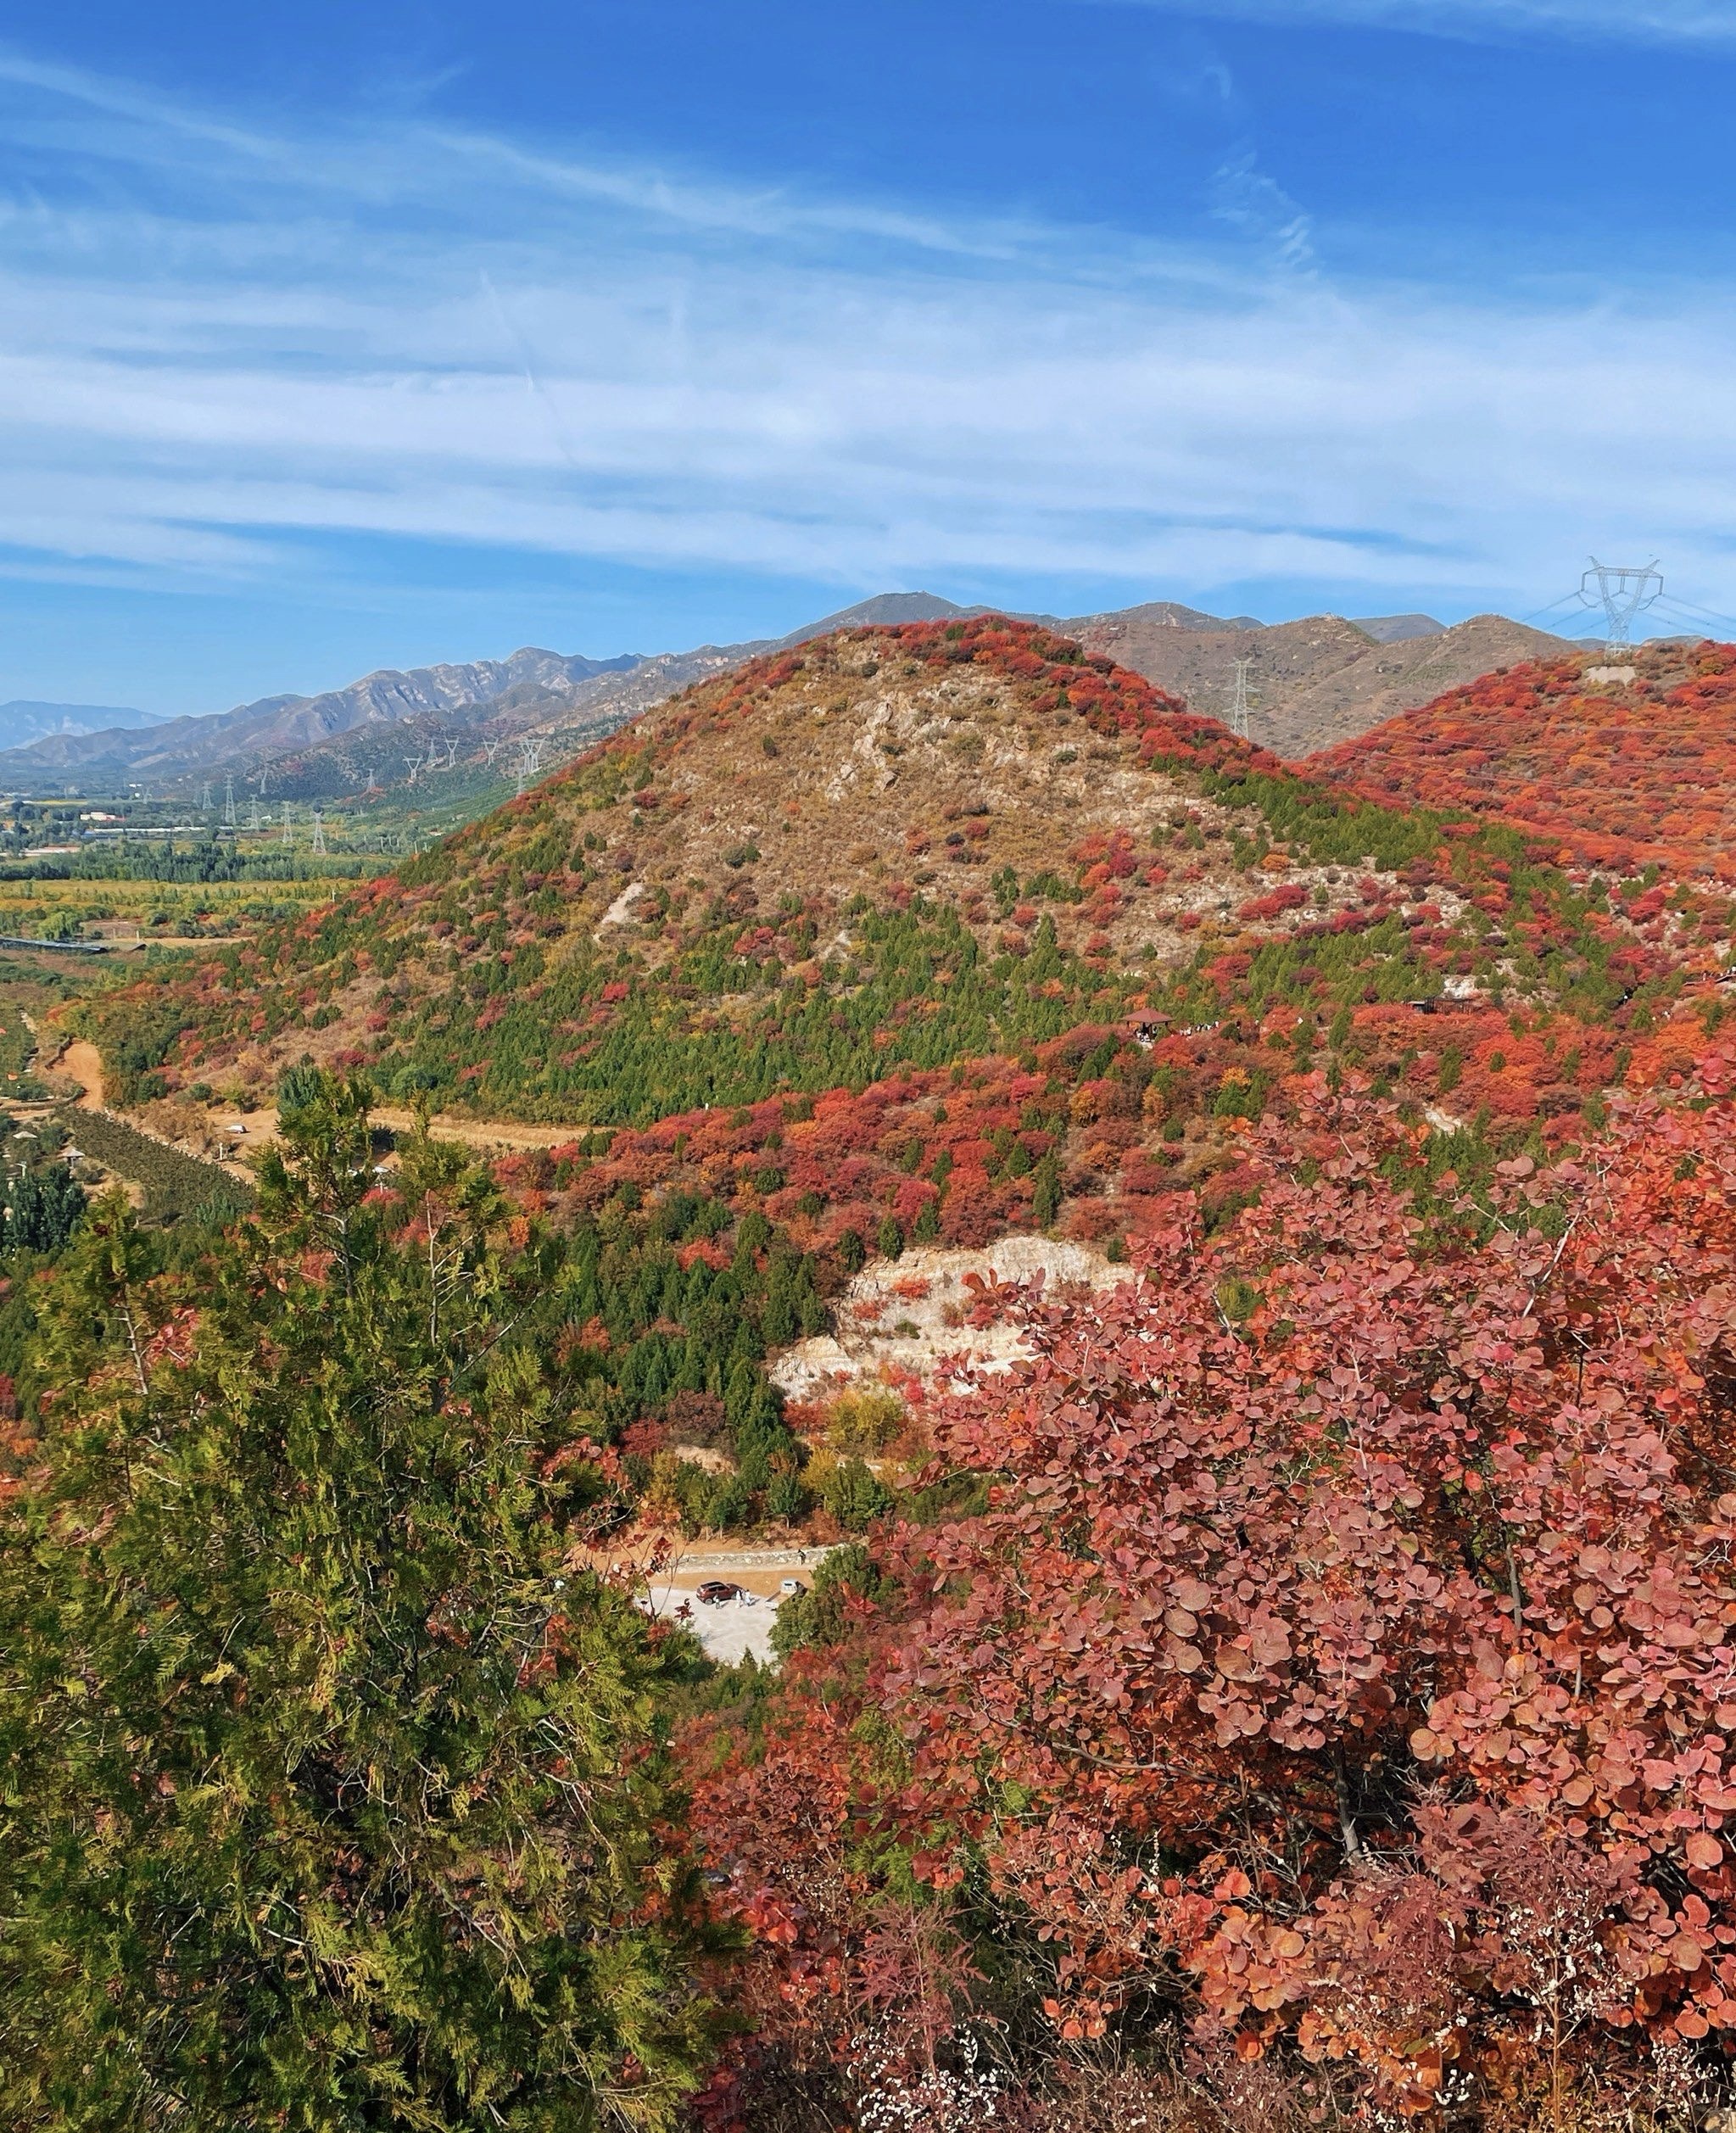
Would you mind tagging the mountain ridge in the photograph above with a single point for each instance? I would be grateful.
(26, 719)
(1320, 679)
(1624, 772)
(273, 725)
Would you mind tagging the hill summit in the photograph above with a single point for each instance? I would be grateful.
(898, 848)
(952, 782)
(1625, 767)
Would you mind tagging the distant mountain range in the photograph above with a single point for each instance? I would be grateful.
(1315, 682)
(25, 720)
(174, 750)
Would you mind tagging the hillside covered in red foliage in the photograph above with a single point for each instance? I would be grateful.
(1621, 768)
(1299, 1688)
(1339, 1647)
(1073, 940)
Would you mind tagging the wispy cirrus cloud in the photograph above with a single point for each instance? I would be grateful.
(1705, 22)
(72, 115)
(1248, 200)
(255, 342)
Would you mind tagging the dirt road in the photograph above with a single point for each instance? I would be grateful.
(82, 1062)
(244, 1130)
(484, 1134)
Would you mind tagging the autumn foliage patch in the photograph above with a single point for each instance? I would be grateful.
(1344, 1664)
(1618, 775)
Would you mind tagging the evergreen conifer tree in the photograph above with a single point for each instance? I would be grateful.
(1045, 1198)
(331, 1794)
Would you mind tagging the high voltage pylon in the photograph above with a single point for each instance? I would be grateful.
(319, 833)
(253, 812)
(288, 826)
(530, 761)
(229, 800)
(206, 797)
(1243, 701)
(1624, 592)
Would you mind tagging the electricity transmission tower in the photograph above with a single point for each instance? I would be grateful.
(1624, 592)
(530, 761)
(206, 797)
(253, 812)
(319, 834)
(288, 826)
(1243, 701)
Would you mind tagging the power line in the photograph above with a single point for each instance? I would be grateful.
(1567, 599)
(1699, 616)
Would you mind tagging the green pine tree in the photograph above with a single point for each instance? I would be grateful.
(779, 1319)
(44, 1207)
(1046, 1196)
(332, 1795)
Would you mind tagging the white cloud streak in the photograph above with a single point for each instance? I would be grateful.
(722, 380)
(1691, 22)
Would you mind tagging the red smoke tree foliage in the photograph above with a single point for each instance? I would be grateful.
(1619, 776)
(1346, 1655)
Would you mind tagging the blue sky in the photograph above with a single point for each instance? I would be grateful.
(334, 337)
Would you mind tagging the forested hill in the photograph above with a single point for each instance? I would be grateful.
(1363, 1559)
(1624, 767)
(905, 847)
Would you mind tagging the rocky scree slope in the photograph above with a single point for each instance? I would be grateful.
(1320, 680)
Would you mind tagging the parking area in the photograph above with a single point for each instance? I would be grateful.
(728, 1632)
